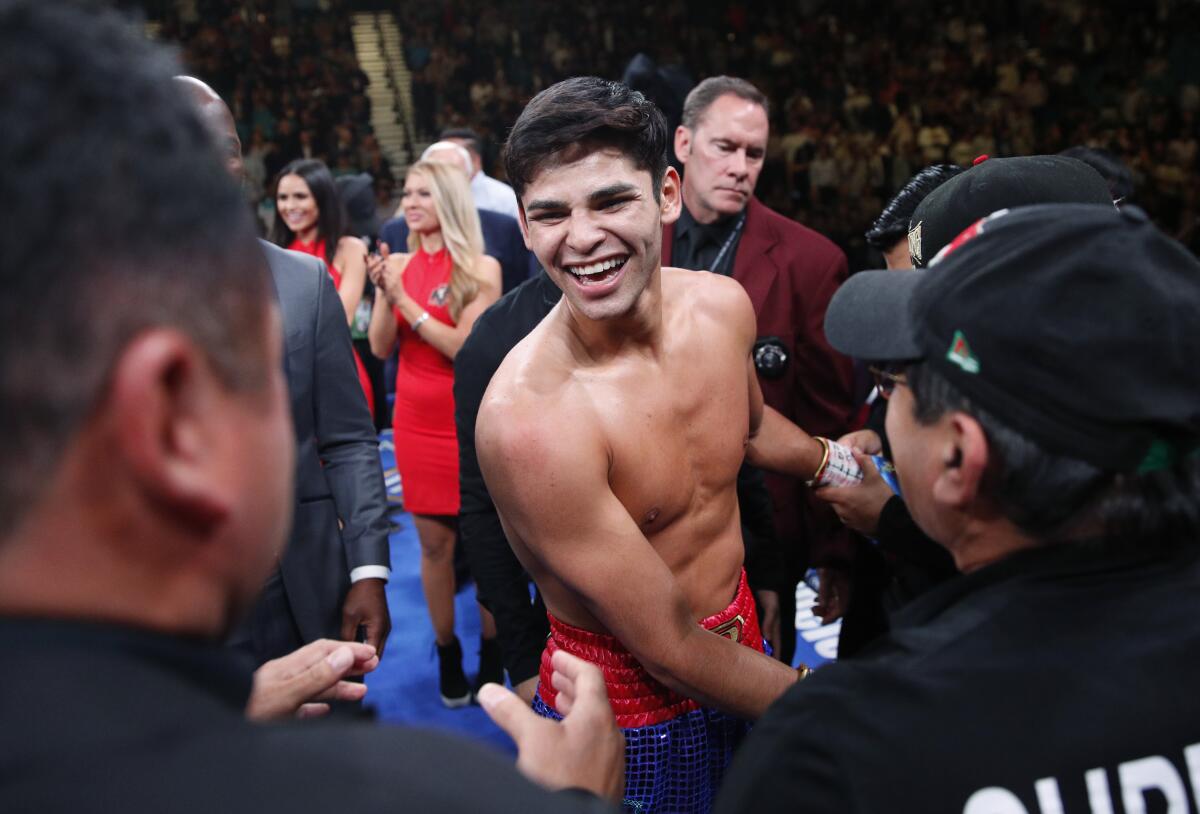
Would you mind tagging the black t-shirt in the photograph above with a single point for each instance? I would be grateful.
(103, 718)
(495, 333)
(1055, 672)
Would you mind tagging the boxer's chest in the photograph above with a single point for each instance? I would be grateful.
(677, 438)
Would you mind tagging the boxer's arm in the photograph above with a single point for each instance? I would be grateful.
(549, 477)
(775, 443)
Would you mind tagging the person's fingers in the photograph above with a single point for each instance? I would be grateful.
(384, 249)
(573, 667)
(867, 464)
(374, 634)
(830, 494)
(346, 691)
(506, 710)
(383, 629)
(562, 683)
(589, 690)
(312, 711)
(867, 441)
(364, 664)
(351, 619)
(283, 685)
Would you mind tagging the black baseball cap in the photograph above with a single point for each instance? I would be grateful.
(999, 183)
(1075, 325)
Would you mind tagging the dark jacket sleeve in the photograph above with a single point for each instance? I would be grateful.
(346, 441)
(784, 765)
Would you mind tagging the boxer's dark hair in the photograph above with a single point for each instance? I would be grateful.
(579, 115)
(119, 217)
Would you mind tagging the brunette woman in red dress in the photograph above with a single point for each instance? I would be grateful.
(432, 296)
(310, 218)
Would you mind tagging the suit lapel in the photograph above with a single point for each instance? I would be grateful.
(753, 266)
(285, 290)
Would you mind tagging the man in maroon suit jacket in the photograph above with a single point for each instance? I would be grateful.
(790, 273)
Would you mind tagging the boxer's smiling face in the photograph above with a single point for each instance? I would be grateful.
(595, 225)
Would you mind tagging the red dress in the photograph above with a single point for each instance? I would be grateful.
(317, 249)
(426, 444)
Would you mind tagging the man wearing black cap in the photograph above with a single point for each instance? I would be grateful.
(1045, 432)
(999, 183)
(871, 507)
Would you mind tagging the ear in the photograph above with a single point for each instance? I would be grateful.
(669, 196)
(683, 144)
(162, 401)
(964, 458)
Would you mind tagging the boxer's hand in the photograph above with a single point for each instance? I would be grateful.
(859, 506)
(867, 441)
(298, 683)
(366, 605)
(585, 750)
(768, 618)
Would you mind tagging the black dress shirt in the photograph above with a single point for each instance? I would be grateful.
(697, 245)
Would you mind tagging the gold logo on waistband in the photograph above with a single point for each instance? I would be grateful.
(732, 629)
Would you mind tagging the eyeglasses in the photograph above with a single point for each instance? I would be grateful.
(887, 379)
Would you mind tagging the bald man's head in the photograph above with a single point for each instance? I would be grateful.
(447, 152)
(219, 121)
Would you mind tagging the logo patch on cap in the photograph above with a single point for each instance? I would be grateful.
(960, 353)
(914, 242)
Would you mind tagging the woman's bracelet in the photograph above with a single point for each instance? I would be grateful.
(419, 321)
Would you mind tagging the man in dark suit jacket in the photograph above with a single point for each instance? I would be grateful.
(331, 580)
(790, 273)
(146, 474)
(501, 234)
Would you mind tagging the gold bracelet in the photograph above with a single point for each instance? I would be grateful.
(803, 672)
(816, 478)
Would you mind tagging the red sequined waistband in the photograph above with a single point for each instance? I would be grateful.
(637, 698)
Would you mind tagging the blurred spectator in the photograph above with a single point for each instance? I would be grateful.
(488, 193)
(431, 297)
(310, 217)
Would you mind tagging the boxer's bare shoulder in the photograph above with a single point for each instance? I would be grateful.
(711, 298)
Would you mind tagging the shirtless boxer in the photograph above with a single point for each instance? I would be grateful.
(611, 439)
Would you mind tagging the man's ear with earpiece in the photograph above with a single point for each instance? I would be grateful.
(964, 461)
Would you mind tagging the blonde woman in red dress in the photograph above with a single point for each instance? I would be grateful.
(310, 218)
(432, 296)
